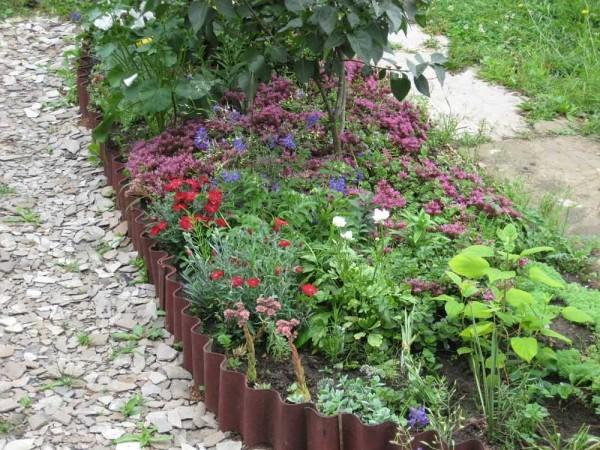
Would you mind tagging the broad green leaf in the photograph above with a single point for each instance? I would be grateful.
(575, 315)
(494, 274)
(297, 5)
(304, 70)
(326, 18)
(553, 334)
(478, 329)
(482, 251)
(422, 85)
(360, 335)
(468, 288)
(196, 88)
(508, 235)
(444, 298)
(536, 273)
(507, 319)
(395, 14)
(464, 350)
(225, 7)
(400, 87)
(469, 266)
(500, 361)
(534, 250)
(362, 44)
(375, 340)
(525, 347)
(455, 278)
(453, 308)
(477, 310)
(518, 298)
(197, 13)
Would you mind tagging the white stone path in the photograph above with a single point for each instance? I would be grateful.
(66, 279)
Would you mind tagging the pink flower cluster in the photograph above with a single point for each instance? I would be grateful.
(286, 328)
(418, 286)
(387, 197)
(268, 306)
(453, 230)
(240, 314)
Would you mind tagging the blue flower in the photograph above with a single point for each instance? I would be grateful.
(201, 140)
(312, 119)
(287, 142)
(239, 145)
(338, 184)
(234, 116)
(417, 417)
(230, 176)
(217, 108)
(75, 16)
(359, 176)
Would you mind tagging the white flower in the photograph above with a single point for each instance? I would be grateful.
(347, 235)
(128, 81)
(140, 18)
(104, 22)
(339, 221)
(379, 215)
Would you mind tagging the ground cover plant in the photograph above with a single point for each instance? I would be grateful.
(321, 234)
(549, 50)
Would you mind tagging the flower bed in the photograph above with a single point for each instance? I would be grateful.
(302, 281)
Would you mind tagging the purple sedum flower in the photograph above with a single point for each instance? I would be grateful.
(417, 417)
(230, 176)
(201, 139)
(338, 184)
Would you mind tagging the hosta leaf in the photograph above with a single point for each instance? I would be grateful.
(478, 329)
(534, 250)
(482, 251)
(553, 334)
(525, 347)
(375, 340)
(573, 314)
(453, 308)
(469, 266)
(536, 273)
(518, 298)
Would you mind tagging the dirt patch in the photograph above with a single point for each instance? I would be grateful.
(566, 166)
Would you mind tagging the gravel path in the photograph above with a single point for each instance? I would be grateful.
(67, 281)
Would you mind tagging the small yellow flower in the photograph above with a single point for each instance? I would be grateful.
(585, 11)
(143, 41)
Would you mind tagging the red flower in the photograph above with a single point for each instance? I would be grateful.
(173, 185)
(237, 281)
(279, 223)
(211, 208)
(216, 275)
(309, 289)
(284, 243)
(186, 223)
(160, 226)
(298, 269)
(215, 197)
(253, 282)
(278, 271)
(194, 185)
(201, 218)
(186, 197)
(220, 222)
(178, 207)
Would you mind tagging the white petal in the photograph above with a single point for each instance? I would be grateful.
(128, 81)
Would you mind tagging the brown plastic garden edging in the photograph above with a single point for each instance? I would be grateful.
(260, 416)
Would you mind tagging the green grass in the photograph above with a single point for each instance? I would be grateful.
(547, 49)
(63, 8)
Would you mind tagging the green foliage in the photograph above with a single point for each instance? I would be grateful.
(365, 398)
(548, 50)
(133, 405)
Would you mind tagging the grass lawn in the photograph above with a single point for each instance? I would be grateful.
(547, 49)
